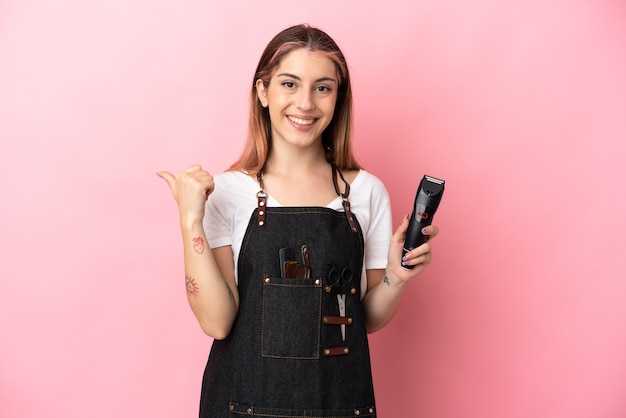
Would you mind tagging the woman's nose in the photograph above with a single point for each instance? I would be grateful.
(305, 100)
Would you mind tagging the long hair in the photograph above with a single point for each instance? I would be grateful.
(337, 135)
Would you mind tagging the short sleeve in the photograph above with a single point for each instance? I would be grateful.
(218, 219)
(379, 229)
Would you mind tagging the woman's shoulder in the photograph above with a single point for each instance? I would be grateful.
(228, 179)
(366, 180)
(234, 187)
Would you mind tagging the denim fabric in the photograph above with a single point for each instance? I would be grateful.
(275, 361)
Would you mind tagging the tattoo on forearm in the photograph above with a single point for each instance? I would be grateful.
(387, 282)
(198, 245)
(192, 286)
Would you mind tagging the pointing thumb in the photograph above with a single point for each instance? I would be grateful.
(168, 177)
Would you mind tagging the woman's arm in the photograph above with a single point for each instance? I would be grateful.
(209, 273)
(210, 280)
(386, 286)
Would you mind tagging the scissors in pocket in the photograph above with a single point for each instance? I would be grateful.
(342, 280)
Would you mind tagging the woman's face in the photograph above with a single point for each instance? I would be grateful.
(301, 97)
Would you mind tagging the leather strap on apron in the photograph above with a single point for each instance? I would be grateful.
(330, 157)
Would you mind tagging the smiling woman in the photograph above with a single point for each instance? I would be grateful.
(520, 106)
(300, 98)
(281, 320)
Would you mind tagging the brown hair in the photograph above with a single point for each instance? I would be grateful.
(338, 133)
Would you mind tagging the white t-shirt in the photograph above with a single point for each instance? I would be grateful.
(230, 206)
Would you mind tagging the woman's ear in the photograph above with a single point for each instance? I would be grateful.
(261, 92)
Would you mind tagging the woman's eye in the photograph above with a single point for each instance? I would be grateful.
(289, 84)
(322, 89)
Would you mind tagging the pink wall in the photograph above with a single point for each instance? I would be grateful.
(520, 106)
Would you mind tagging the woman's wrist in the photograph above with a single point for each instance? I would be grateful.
(392, 281)
(191, 224)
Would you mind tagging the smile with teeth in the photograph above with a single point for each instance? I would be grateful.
(301, 121)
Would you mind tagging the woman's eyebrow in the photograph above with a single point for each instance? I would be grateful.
(299, 79)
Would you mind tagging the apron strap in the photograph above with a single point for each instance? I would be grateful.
(261, 198)
(330, 157)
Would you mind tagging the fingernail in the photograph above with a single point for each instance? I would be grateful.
(425, 230)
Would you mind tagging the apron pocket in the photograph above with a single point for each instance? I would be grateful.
(291, 318)
(241, 410)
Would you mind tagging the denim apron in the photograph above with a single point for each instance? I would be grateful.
(291, 352)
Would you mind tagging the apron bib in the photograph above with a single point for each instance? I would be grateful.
(292, 352)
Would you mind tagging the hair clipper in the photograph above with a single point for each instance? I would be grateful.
(426, 203)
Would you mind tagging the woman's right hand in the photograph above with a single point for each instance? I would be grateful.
(191, 188)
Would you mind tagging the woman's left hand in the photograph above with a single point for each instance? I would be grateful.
(419, 257)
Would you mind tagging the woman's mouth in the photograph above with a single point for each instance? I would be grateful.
(301, 122)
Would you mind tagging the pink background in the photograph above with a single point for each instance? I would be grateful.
(520, 106)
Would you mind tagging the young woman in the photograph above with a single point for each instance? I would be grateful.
(289, 256)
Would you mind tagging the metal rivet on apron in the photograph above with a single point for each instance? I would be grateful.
(345, 350)
(349, 320)
(357, 412)
(371, 410)
(231, 407)
(327, 351)
(317, 282)
(267, 280)
(327, 289)
(261, 223)
(261, 212)
(249, 411)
